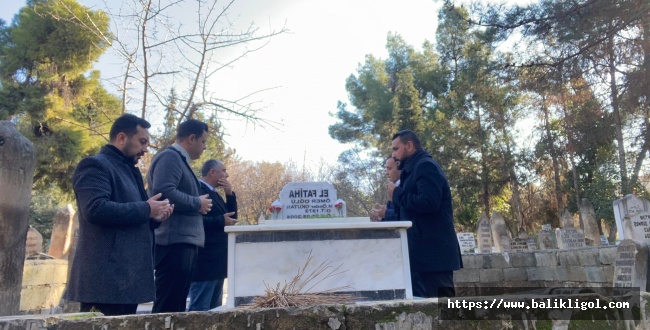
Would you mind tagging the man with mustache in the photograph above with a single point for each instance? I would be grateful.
(424, 198)
(113, 269)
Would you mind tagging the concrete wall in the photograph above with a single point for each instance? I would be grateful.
(43, 284)
(586, 267)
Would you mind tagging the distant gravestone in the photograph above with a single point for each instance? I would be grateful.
(304, 200)
(62, 233)
(636, 226)
(590, 226)
(532, 243)
(34, 242)
(627, 205)
(466, 242)
(500, 236)
(519, 245)
(546, 238)
(17, 159)
(484, 234)
(631, 265)
(569, 237)
(604, 241)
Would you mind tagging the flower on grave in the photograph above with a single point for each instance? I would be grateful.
(275, 209)
(339, 207)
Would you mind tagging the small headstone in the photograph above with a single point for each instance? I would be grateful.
(566, 219)
(34, 242)
(604, 241)
(589, 222)
(519, 245)
(627, 205)
(569, 238)
(466, 242)
(631, 266)
(546, 238)
(500, 236)
(532, 243)
(484, 234)
(636, 226)
(303, 200)
(62, 233)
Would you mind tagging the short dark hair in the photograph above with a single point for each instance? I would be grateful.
(407, 135)
(208, 165)
(189, 127)
(127, 124)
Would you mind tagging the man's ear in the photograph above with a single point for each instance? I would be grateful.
(121, 138)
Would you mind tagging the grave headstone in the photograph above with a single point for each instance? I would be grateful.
(569, 237)
(484, 234)
(532, 243)
(546, 238)
(303, 200)
(604, 241)
(590, 226)
(34, 242)
(466, 242)
(17, 158)
(636, 226)
(500, 237)
(631, 265)
(62, 233)
(519, 245)
(627, 205)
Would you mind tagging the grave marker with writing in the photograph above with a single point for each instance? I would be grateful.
(466, 242)
(484, 234)
(569, 237)
(636, 226)
(303, 200)
(34, 242)
(519, 245)
(627, 205)
(631, 265)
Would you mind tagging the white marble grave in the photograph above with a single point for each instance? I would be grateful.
(466, 242)
(636, 226)
(308, 200)
(628, 205)
(372, 255)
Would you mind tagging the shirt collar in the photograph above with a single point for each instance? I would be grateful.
(182, 151)
(397, 183)
(207, 184)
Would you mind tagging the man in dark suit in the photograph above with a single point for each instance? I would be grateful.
(113, 269)
(387, 212)
(206, 289)
(424, 197)
(178, 239)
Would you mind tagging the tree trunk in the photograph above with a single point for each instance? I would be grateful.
(16, 173)
(613, 88)
(555, 161)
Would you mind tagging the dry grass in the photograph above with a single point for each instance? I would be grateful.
(293, 293)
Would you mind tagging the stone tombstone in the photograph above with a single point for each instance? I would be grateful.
(484, 234)
(303, 200)
(604, 241)
(590, 226)
(627, 205)
(466, 242)
(34, 242)
(62, 233)
(636, 226)
(500, 235)
(17, 159)
(546, 238)
(569, 237)
(519, 245)
(631, 265)
(532, 243)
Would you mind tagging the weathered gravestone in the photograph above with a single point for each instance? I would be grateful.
(466, 242)
(631, 266)
(590, 226)
(627, 205)
(520, 243)
(500, 236)
(304, 200)
(62, 232)
(34, 242)
(16, 174)
(569, 237)
(636, 226)
(604, 241)
(532, 243)
(484, 234)
(546, 238)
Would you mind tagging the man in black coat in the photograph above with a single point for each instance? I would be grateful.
(387, 212)
(424, 198)
(206, 289)
(112, 270)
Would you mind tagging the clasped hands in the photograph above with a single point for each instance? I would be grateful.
(159, 210)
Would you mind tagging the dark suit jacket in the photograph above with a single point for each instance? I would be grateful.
(391, 213)
(212, 261)
(171, 175)
(113, 263)
(424, 198)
